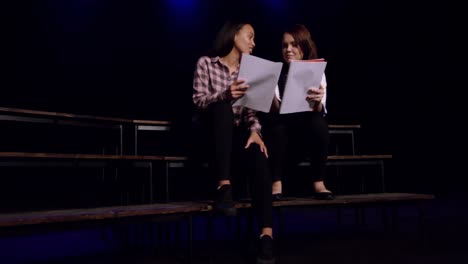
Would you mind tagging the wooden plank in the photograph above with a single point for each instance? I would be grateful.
(115, 212)
(359, 157)
(60, 216)
(150, 122)
(160, 122)
(26, 111)
(336, 126)
(349, 199)
(63, 115)
(77, 156)
(173, 158)
(162, 209)
(121, 120)
(46, 155)
(331, 157)
(87, 117)
(102, 213)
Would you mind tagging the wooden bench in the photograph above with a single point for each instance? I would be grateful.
(347, 129)
(101, 213)
(24, 158)
(128, 128)
(21, 159)
(359, 202)
(333, 160)
(36, 159)
(359, 160)
(348, 200)
(27, 222)
(147, 125)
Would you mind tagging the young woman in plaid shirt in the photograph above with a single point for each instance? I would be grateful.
(234, 130)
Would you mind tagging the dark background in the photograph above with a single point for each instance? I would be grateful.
(136, 59)
(395, 68)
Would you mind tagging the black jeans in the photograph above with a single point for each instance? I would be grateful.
(223, 142)
(291, 138)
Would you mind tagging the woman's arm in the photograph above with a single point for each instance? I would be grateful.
(318, 96)
(257, 139)
(203, 94)
(254, 126)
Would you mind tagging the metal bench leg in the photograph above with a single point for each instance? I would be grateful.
(280, 232)
(394, 219)
(210, 238)
(190, 238)
(339, 215)
(356, 216)
(363, 215)
(151, 195)
(135, 140)
(382, 173)
(422, 233)
(166, 183)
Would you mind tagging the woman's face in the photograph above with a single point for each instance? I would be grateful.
(244, 39)
(291, 50)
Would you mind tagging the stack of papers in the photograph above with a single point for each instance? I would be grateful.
(263, 75)
(302, 75)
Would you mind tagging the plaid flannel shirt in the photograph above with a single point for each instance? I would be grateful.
(211, 82)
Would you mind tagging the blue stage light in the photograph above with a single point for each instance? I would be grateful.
(275, 4)
(182, 3)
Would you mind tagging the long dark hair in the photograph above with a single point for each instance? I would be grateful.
(224, 41)
(302, 36)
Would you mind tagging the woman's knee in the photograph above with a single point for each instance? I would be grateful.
(253, 149)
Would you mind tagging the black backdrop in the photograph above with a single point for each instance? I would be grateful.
(136, 58)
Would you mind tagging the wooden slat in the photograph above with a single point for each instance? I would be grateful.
(173, 158)
(102, 213)
(333, 126)
(26, 111)
(116, 212)
(150, 122)
(77, 156)
(77, 116)
(121, 120)
(350, 199)
(359, 157)
(162, 209)
(331, 157)
(63, 115)
(149, 157)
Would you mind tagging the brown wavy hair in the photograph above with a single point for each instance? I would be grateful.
(302, 36)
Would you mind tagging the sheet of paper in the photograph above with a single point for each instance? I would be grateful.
(262, 76)
(302, 75)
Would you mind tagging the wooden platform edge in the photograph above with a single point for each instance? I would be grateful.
(146, 210)
(348, 200)
(8, 154)
(99, 213)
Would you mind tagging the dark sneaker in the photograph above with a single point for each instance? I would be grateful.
(224, 203)
(265, 250)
